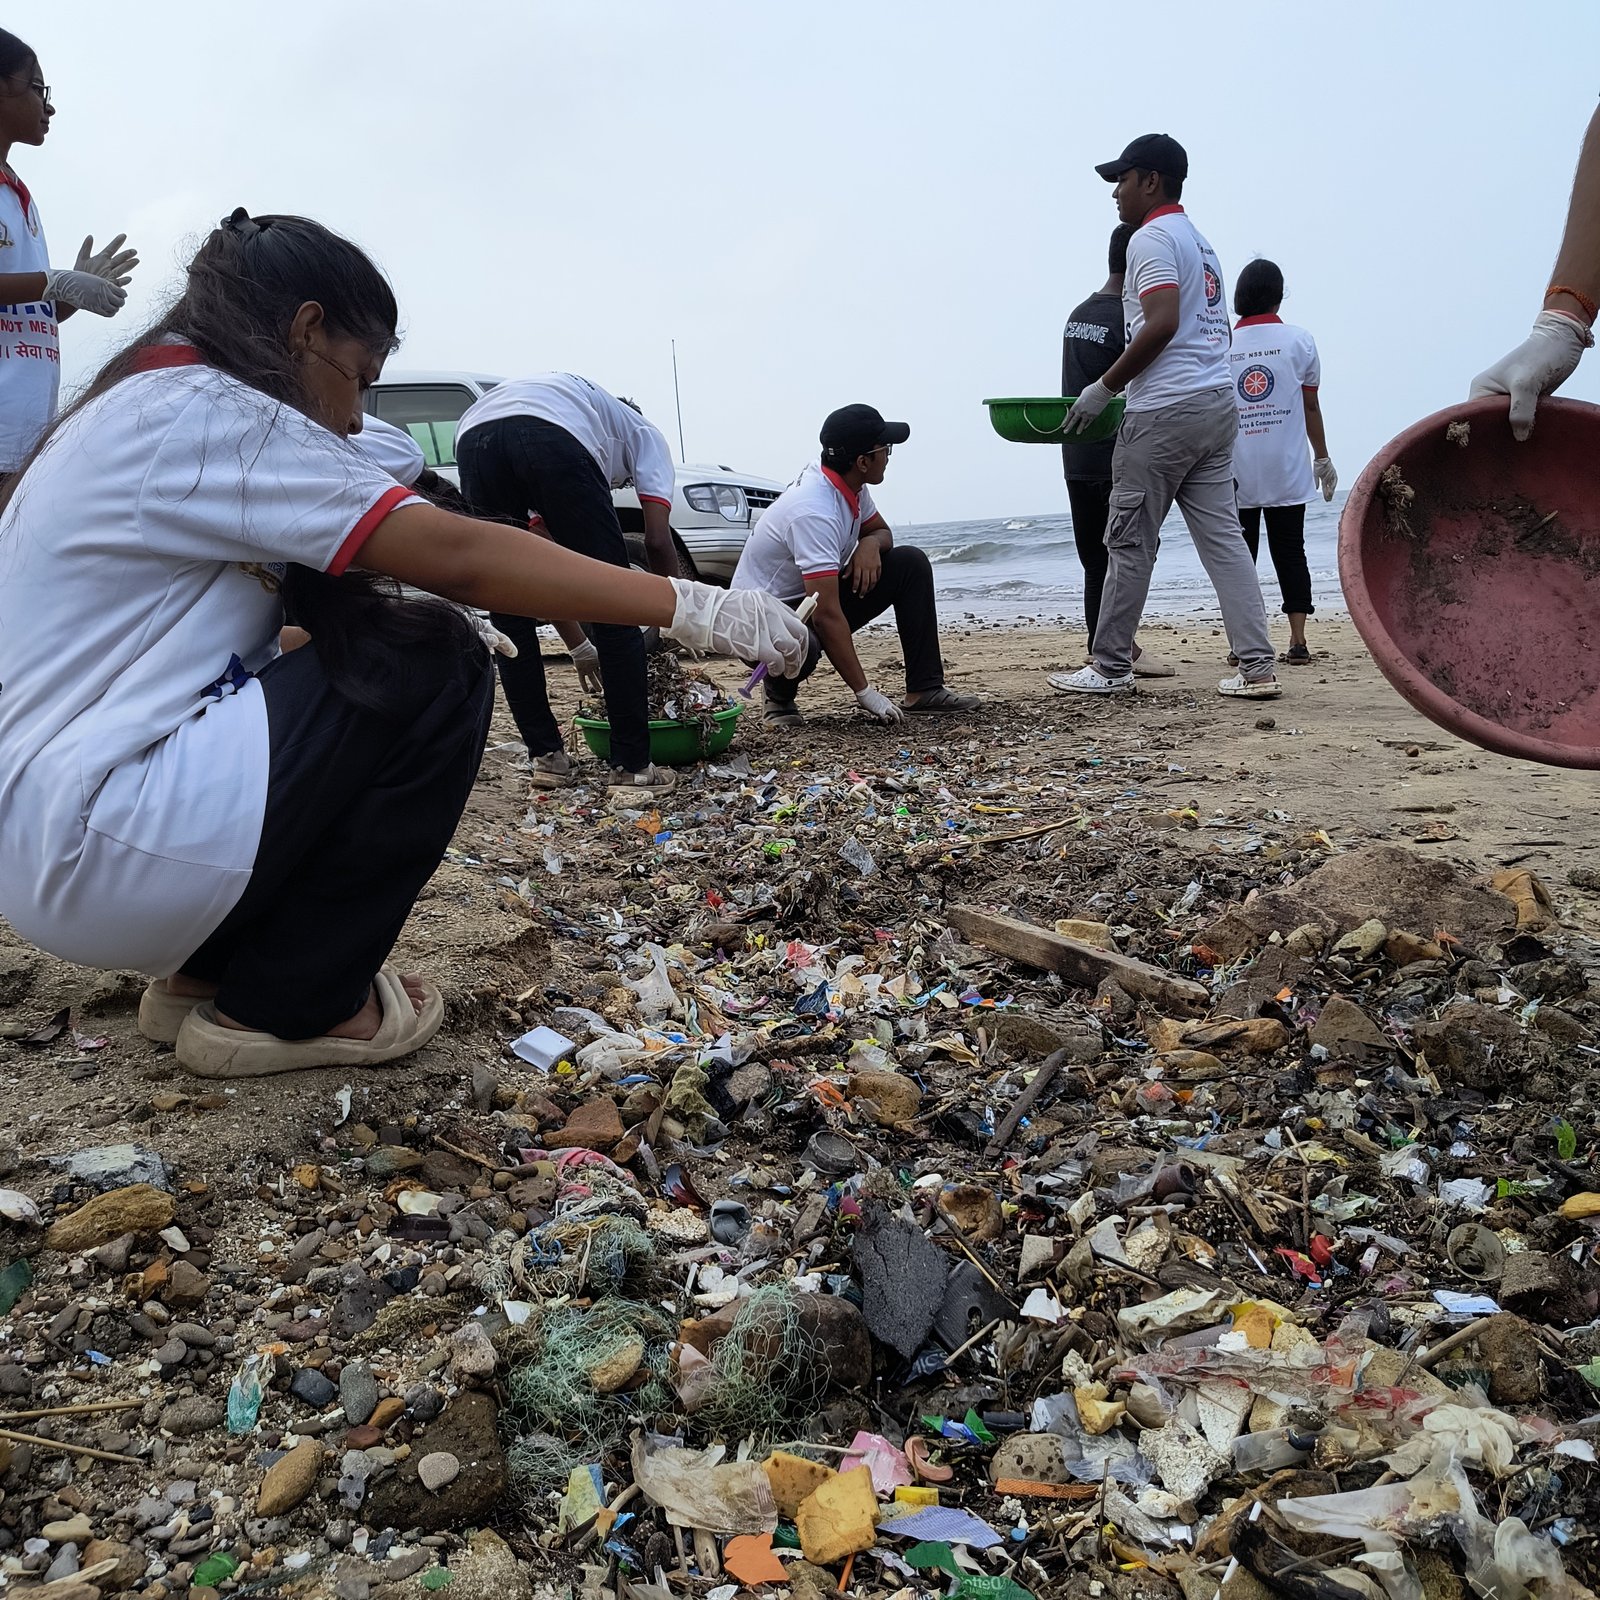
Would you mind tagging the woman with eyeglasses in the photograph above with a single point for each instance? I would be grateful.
(34, 297)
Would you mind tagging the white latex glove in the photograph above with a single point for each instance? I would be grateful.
(496, 642)
(879, 706)
(1327, 478)
(114, 264)
(85, 292)
(1542, 362)
(587, 660)
(747, 623)
(1087, 407)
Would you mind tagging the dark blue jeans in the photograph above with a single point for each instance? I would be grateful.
(510, 469)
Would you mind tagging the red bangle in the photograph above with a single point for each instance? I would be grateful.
(1590, 309)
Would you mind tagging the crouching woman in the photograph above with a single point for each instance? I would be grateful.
(176, 795)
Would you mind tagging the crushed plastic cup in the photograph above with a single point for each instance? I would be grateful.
(245, 1396)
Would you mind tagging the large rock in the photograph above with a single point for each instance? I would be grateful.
(138, 1208)
(290, 1479)
(1475, 1045)
(466, 1430)
(1383, 883)
(1026, 1033)
(903, 1277)
(1343, 1029)
(897, 1097)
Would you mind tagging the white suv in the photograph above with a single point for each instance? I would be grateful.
(713, 508)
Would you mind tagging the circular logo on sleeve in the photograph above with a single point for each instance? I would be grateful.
(1213, 285)
(1255, 382)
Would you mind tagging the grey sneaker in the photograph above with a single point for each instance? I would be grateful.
(553, 771)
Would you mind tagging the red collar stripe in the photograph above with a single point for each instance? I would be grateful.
(852, 499)
(1173, 210)
(9, 180)
(1258, 321)
(154, 357)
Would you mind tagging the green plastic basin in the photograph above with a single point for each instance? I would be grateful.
(1040, 420)
(672, 743)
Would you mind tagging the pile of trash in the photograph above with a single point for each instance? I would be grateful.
(677, 692)
(1002, 1196)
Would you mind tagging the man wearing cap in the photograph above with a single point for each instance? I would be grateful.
(823, 536)
(1176, 438)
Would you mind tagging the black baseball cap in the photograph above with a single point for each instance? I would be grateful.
(853, 431)
(1150, 152)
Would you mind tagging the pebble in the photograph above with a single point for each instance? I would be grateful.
(358, 1392)
(310, 1386)
(187, 1286)
(74, 1530)
(171, 1354)
(471, 1354)
(290, 1479)
(193, 1335)
(437, 1470)
(424, 1402)
(194, 1414)
(65, 1564)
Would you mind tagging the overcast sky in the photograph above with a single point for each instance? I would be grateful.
(825, 202)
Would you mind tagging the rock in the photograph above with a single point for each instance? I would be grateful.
(614, 1369)
(15, 1382)
(1026, 1033)
(436, 1469)
(289, 1479)
(129, 1568)
(465, 1430)
(1477, 1046)
(193, 1335)
(113, 1255)
(140, 1208)
(1509, 1348)
(387, 1411)
(65, 1564)
(488, 1570)
(171, 1353)
(595, 1125)
(310, 1386)
(423, 1401)
(1406, 949)
(975, 1211)
(1362, 942)
(1256, 1036)
(897, 1097)
(903, 1281)
(1035, 1457)
(115, 1166)
(363, 1436)
(1545, 1288)
(1192, 1066)
(186, 1285)
(75, 1530)
(389, 1161)
(1342, 1026)
(471, 1354)
(358, 1392)
(191, 1415)
(358, 1304)
(1305, 941)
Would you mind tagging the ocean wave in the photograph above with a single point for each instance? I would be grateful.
(977, 551)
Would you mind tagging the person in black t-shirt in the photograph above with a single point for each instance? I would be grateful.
(1093, 338)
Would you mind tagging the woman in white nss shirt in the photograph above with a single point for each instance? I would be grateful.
(179, 796)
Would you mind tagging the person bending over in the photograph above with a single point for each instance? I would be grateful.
(179, 797)
(555, 446)
(823, 536)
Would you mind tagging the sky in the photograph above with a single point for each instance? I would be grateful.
(822, 203)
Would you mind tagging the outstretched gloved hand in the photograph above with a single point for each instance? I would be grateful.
(879, 706)
(747, 623)
(114, 264)
(1327, 478)
(1087, 407)
(587, 660)
(1542, 362)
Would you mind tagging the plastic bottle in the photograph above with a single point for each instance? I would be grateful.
(1267, 1452)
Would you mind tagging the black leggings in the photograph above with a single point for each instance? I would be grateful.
(1286, 540)
(360, 809)
(511, 468)
(1090, 499)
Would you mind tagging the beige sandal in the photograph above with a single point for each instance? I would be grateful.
(162, 1014)
(210, 1050)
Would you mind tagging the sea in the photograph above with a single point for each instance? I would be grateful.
(1025, 568)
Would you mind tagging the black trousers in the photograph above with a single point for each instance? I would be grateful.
(511, 468)
(1286, 539)
(906, 584)
(360, 809)
(1090, 499)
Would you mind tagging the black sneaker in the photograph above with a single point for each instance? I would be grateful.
(784, 714)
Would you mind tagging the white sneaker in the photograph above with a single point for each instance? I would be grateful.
(1090, 680)
(1240, 687)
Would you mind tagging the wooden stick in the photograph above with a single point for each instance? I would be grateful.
(1460, 1337)
(1023, 1104)
(967, 1250)
(466, 1155)
(69, 1449)
(71, 1411)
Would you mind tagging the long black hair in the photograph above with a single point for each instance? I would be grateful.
(15, 56)
(243, 288)
(1258, 289)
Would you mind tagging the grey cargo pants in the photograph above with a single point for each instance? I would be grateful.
(1182, 452)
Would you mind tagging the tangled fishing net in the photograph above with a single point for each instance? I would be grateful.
(764, 1376)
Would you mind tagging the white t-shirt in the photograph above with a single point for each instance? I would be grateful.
(810, 531)
(628, 448)
(140, 558)
(30, 343)
(1168, 251)
(389, 447)
(1273, 362)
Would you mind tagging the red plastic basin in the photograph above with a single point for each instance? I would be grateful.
(1483, 609)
